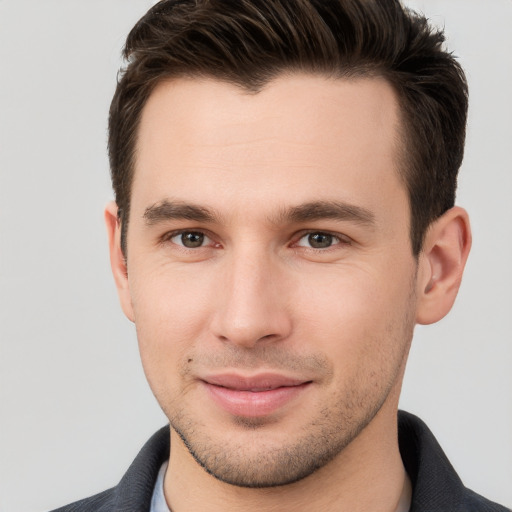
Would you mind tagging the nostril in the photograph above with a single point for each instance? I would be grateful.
(268, 336)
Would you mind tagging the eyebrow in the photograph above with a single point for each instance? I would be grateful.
(308, 212)
(177, 210)
(335, 210)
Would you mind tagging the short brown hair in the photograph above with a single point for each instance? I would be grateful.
(250, 42)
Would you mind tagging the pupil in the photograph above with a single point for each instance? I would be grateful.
(320, 240)
(192, 240)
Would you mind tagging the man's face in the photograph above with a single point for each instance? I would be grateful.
(270, 271)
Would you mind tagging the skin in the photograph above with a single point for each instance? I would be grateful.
(254, 296)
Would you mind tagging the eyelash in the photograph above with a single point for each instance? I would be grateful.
(167, 237)
(340, 240)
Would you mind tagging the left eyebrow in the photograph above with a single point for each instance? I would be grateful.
(176, 210)
(320, 210)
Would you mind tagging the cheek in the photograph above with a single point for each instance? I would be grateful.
(171, 315)
(169, 300)
(348, 300)
(361, 316)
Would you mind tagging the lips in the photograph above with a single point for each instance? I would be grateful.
(254, 396)
(263, 382)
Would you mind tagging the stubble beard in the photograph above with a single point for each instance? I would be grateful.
(257, 463)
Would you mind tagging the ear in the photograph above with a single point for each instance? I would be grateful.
(442, 261)
(117, 259)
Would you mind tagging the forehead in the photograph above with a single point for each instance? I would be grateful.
(305, 107)
(299, 138)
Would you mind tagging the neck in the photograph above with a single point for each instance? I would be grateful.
(367, 475)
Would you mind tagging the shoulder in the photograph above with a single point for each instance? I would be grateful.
(102, 502)
(436, 485)
(473, 502)
(134, 491)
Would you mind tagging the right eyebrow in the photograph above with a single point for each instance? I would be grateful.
(177, 210)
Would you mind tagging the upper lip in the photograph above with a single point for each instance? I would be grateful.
(260, 382)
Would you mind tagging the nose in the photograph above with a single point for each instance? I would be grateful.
(252, 301)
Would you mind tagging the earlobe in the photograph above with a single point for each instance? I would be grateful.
(117, 259)
(442, 261)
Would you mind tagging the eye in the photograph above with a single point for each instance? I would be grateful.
(190, 239)
(318, 240)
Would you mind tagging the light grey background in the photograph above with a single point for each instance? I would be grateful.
(75, 407)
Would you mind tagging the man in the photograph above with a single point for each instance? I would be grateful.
(285, 177)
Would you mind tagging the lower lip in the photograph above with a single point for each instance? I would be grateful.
(254, 404)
